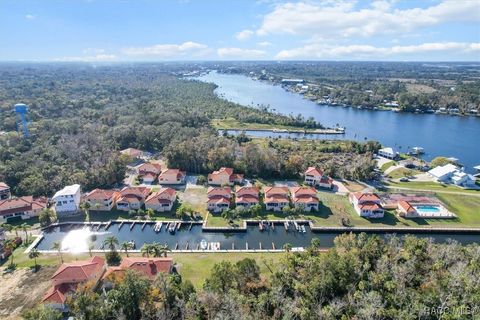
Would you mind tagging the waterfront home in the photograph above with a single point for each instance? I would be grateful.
(305, 198)
(388, 153)
(247, 196)
(366, 204)
(162, 200)
(4, 191)
(172, 176)
(224, 176)
(451, 174)
(67, 200)
(67, 278)
(144, 266)
(276, 198)
(219, 198)
(149, 172)
(21, 208)
(102, 200)
(315, 177)
(404, 208)
(132, 198)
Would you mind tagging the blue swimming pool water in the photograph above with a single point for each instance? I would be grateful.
(428, 209)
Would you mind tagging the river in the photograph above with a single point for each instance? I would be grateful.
(439, 135)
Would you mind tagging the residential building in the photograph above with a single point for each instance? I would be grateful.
(144, 266)
(102, 200)
(404, 208)
(162, 200)
(132, 152)
(132, 198)
(305, 198)
(224, 177)
(149, 172)
(366, 204)
(247, 196)
(451, 174)
(67, 200)
(24, 207)
(315, 177)
(219, 198)
(276, 198)
(4, 191)
(67, 278)
(388, 153)
(172, 176)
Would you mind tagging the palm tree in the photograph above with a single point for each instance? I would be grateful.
(25, 227)
(146, 250)
(110, 242)
(34, 254)
(287, 247)
(159, 250)
(150, 213)
(58, 246)
(125, 246)
(11, 245)
(85, 206)
(164, 249)
(315, 243)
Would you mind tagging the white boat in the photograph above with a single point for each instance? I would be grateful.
(303, 229)
(158, 227)
(203, 244)
(215, 246)
(418, 150)
(132, 244)
(171, 227)
(296, 225)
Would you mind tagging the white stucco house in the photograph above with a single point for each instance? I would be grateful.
(388, 153)
(67, 200)
(451, 174)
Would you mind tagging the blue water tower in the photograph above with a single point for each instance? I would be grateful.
(22, 123)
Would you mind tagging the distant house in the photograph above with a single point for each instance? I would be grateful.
(67, 278)
(224, 176)
(219, 198)
(246, 196)
(276, 198)
(102, 200)
(172, 176)
(305, 197)
(451, 174)
(149, 172)
(24, 207)
(162, 200)
(132, 198)
(4, 191)
(388, 153)
(67, 200)
(144, 266)
(315, 177)
(132, 152)
(366, 205)
(405, 209)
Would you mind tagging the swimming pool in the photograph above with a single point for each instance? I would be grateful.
(427, 209)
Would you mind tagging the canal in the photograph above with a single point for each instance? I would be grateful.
(439, 135)
(76, 238)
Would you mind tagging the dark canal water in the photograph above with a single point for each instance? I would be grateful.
(76, 239)
(439, 135)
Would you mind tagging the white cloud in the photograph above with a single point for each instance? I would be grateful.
(168, 50)
(342, 19)
(29, 16)
(93, 51)
(244, 34)
(239, 53)
(264, 44)
(95, 58)
(323, 51)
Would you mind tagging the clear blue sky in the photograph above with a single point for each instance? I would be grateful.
(148, 30)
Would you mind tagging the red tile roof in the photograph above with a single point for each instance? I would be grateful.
(299, 191)
(163, 195)
(100, 194)
(218, 199)
(177, 172)
(132, 152)
(365, 196)
(148, 167)
(79, 271)
(57, 294)
(275, 190)
(247, 198)
(22, 204)
(3, 186)
(148, 267)
(313, 171)
(139, 192)
(369, 206)
(219, 191)
(407, 207)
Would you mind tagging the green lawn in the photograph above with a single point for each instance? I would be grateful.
(232, 123)
(402, 172)
(466, 207)
(196, 197)
(353, 186)
(387, 165)
(433, 186)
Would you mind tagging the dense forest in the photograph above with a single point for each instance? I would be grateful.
(81, 115)
(361, 277)
(415, 85)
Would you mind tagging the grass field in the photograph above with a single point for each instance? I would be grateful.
(353, 186)
(387, 165)
(402, 172)
(432, 186)
(232, 123)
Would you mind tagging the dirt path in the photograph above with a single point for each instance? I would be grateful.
(22, 289)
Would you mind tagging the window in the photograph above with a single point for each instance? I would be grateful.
(64, 202)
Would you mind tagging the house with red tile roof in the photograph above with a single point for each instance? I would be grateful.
(144, 266)
(247, 196)
(305, 198)
(162, 200)
(224, 177)
(132, 198)
(66, 279)
(219, 198)
(172, 176)
(405, 209)
(24, 207)
(101, 199)
(4, 191)
(367, 204)
(276, 198)
(315, 177)
(132, 152)
(149, 172)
